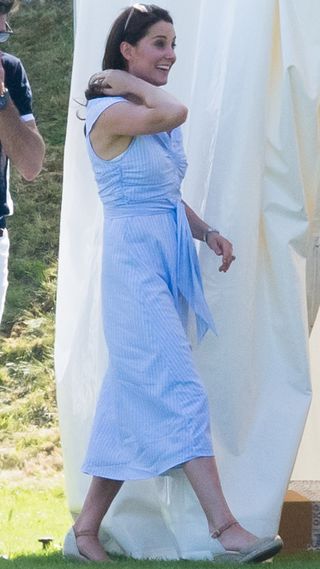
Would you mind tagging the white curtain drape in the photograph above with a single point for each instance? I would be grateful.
(250, 74)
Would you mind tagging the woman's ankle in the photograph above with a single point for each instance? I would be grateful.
(82, 529)
(217, 530)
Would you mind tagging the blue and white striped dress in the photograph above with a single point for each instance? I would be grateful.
(152, 413)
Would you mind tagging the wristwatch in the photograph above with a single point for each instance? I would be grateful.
(4, 98)
(207, 231)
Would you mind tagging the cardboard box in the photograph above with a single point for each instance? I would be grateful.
(300, 518)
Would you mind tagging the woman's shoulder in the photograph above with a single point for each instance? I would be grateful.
(107, 100)
(96, 106)
(103, 103)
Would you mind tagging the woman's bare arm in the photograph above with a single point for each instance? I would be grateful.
(219, 244)
(158, 110)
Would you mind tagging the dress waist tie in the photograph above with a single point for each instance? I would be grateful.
(189, 282)
(189, 275)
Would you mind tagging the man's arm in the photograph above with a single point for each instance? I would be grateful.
(21, 142)
(20, 139)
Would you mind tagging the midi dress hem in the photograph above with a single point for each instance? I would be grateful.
(112, 472)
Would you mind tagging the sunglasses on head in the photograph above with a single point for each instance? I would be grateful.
(139, 8)
(4, 35)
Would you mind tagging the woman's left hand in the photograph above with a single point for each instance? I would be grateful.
(221, 247)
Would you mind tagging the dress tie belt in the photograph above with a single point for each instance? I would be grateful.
(189, 282)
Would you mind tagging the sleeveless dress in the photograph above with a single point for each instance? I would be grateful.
(152, 413)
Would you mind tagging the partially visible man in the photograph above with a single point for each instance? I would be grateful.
(20, 140)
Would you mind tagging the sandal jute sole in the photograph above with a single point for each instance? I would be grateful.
(262, 550)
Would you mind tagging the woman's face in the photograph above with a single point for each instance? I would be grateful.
(153, 56)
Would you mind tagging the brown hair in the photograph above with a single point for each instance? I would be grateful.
(131, 26)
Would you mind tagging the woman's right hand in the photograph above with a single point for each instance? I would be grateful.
(112, 82)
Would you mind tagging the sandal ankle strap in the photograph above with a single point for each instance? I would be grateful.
(84, 532)
(223, 528)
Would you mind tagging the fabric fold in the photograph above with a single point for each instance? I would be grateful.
(189, 283)
(189, 276)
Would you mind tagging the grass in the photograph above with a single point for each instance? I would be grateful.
(28, 514)
(40, 510)
(54, 560)
(29, 437)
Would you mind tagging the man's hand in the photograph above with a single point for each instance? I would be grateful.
(221, 247)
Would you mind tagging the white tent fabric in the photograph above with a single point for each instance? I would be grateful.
(250, 74)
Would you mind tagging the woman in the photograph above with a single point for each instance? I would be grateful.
(152, 414)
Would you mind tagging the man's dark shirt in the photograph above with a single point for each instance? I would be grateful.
(18, 85)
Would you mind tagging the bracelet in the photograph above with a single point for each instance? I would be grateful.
(209, 230)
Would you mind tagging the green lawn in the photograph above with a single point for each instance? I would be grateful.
(38, 510)
(29, 436)
(55, 561)
(28, 514)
